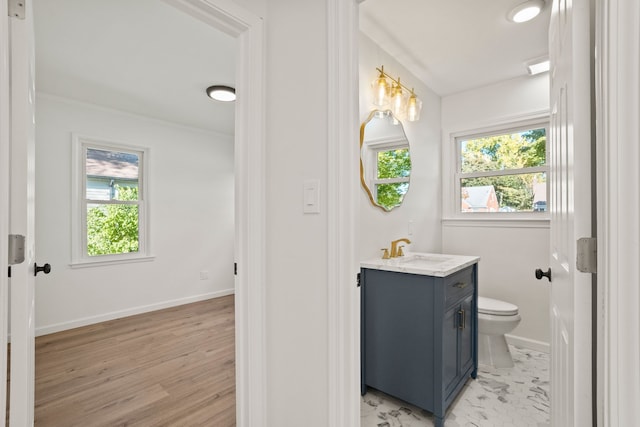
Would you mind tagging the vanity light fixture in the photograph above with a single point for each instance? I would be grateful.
(221, 93)
(525, 11)
(403, 103)
(538, 66)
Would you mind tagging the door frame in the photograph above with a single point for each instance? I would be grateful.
(343, 186)
(248, 29)
(617, 156)
(250, 203)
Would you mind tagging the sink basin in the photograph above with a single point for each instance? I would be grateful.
(425, 260)
(428, 264)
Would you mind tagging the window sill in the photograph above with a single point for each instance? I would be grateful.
(502, 222)
(111, 261)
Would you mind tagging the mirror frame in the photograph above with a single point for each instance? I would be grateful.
(362, 178)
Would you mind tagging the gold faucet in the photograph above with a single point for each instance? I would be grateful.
(395, 250)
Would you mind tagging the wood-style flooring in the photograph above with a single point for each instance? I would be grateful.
(173, 367)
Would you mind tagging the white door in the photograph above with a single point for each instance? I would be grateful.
(22, 218)
(570, 190)
(4, 201)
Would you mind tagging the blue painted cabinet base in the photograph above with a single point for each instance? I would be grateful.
(419, 336)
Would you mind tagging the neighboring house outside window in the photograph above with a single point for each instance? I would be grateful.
(480, 199)
(110, 203)
(502, 171)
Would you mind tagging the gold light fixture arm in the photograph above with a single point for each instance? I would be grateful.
(396, 81)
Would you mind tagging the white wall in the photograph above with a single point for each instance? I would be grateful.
(421, 204)
(191, 217)
(296, 247)
(510, 251)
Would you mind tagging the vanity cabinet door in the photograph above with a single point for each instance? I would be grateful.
(450, 347)
(457, 343)
(466, 333)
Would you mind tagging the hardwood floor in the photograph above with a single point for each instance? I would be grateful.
(173, 367)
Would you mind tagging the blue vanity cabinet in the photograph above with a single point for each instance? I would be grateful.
(419, 335)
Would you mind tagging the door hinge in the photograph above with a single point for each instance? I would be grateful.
(17, 8)
(235, 268)
(358, 280)
(587, 255)
(16, 249)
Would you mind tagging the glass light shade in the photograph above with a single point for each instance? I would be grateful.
(381, 89)
(398, 101)
(414, 106)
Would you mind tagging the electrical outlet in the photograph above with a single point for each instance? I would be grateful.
(410, 228)
(204, 275)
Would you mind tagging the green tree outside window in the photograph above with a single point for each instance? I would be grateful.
(504, 153)
(113, 228)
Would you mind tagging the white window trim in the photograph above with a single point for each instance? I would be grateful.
(79, 257)
(451, 166)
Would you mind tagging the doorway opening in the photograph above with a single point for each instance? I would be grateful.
(247, 29)
(120, 87)
(460, 103)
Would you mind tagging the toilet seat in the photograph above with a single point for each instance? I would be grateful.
(496, 307)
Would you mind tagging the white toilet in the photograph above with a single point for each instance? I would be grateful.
(495, 319)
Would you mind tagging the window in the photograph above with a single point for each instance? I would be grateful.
(502, 171)
(110, 205)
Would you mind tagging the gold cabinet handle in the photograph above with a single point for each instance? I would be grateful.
(460, 285)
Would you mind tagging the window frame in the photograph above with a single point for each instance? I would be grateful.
(452, 189)
(79, 255)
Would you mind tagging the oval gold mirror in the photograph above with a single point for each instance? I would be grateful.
(385, 160)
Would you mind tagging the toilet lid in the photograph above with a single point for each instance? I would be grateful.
(496, 307)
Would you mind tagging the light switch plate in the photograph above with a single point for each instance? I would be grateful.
(311, 196)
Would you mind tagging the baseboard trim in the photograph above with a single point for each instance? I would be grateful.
(85, 321)
(528, 343)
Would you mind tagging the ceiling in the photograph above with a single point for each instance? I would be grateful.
(144, 57)
(456, 45)
(148, 58)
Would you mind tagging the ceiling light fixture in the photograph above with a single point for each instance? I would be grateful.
(526, 11)
(404, 104)
(221, 93)
(538, 66)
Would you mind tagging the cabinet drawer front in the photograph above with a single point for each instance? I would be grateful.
(458, 285)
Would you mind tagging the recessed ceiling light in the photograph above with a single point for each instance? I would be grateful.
(526, 11)
(538, 67)
(221, 93)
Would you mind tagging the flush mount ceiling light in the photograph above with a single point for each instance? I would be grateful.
(525, 11)
(538, 66)
(221, 93)
(394, 96)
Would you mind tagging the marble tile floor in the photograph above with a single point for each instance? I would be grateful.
(516, 397)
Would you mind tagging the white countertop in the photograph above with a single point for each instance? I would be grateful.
(439, 265)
